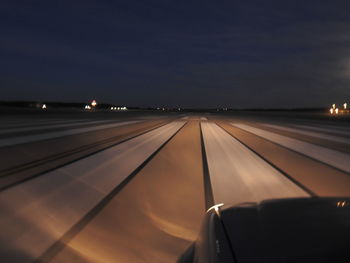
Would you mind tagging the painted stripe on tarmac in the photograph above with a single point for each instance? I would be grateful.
(331, 157)
(311, 134)
(52, 135)
(23, 123)
(63, 125)
(334, 130)
(239, 175)
(38, 212)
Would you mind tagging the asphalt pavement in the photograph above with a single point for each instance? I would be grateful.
(134, 189)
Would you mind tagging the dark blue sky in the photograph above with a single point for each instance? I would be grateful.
(218, 53)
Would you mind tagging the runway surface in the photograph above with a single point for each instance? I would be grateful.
(239, 175)
(134, 189)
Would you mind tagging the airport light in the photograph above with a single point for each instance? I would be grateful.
(44, 107)
(342, 110)
(119, 108)
(94, 103)
(87, 107)
(341, 204)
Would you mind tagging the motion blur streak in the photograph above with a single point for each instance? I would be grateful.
(239, 175)
(51, 135)
(312, 134)
(154, 217)
(38, 212)
(334, 158)
(64, 125)
(315, 177)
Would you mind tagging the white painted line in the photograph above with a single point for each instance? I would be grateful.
(335, 130)
(204, 119)
(25, 122)
(43, 127)
(334, 158)
(239, 175)
(38, 212)
(311, 134)
(21, 121)
(51, 135)
(185, 118)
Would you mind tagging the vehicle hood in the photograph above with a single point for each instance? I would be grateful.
(290, 230)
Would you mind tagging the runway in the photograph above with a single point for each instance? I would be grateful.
(238, 175)
(333, 158)
(90, 179)
(135, 189)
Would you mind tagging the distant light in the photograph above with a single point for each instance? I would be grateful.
(179, 109)
(44, 107)
(341, 204)
(331, 110)
(336, 111)
(87, 107)
(112, 108)
(93, 103)
(333, 106)
(345, 106)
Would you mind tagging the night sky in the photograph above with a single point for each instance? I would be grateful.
(177, 53)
